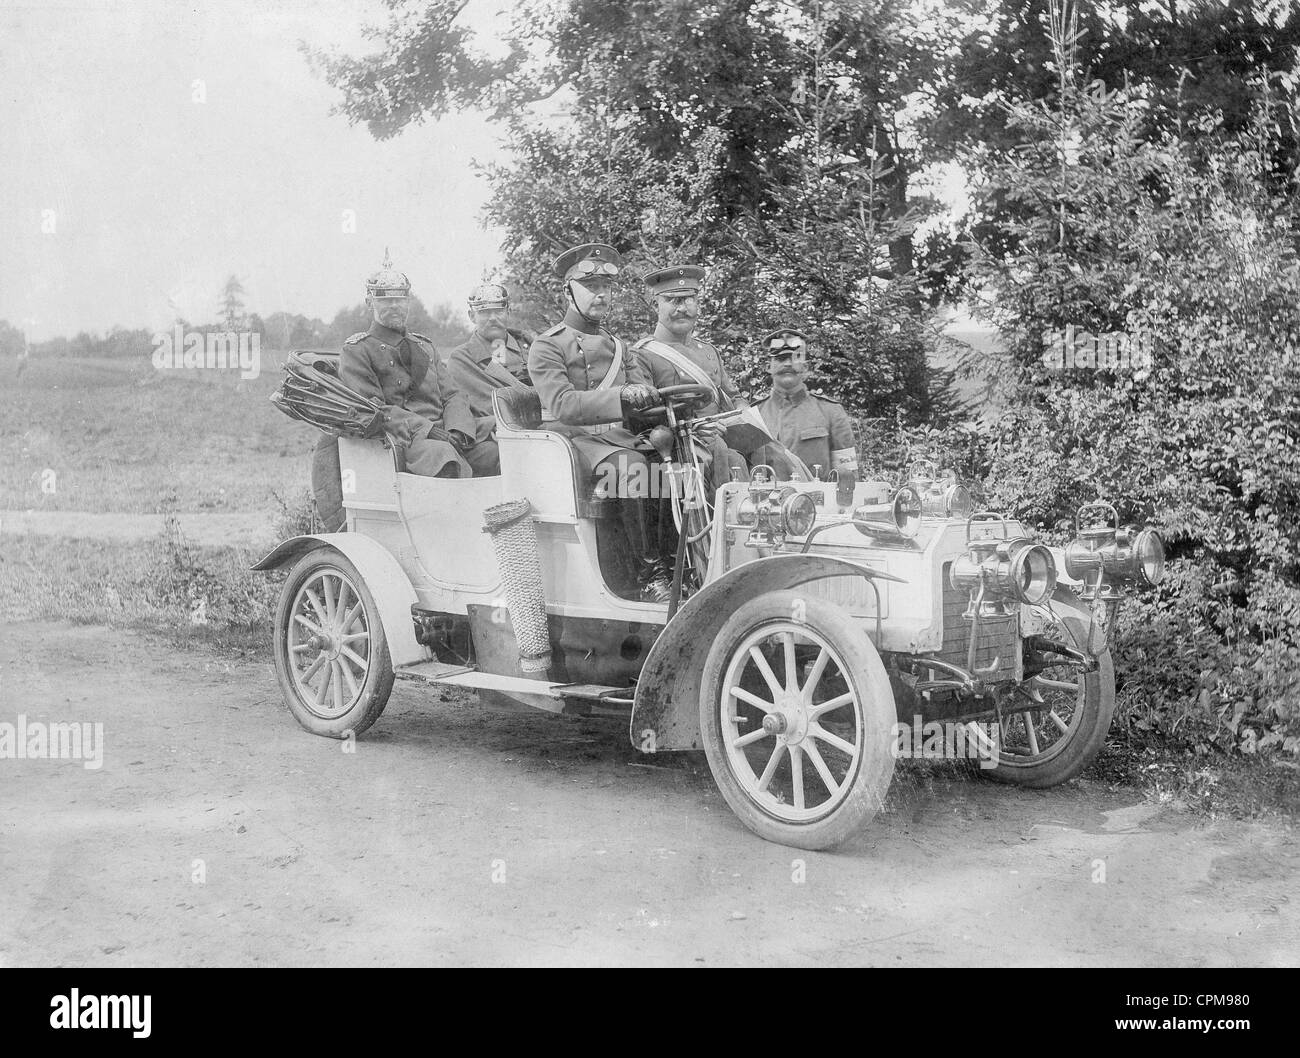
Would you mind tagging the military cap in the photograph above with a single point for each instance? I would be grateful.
(782, 332)
(387, 282)
(489, 295)
(588, 259)
(675, 279)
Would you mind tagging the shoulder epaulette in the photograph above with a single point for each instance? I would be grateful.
(828, 400)
(642, 342)
(422, 337)
(355, 338)
(553, 331)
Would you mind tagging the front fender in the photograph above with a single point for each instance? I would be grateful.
(383, 576)
(666, 714)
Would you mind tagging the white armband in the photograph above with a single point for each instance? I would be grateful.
(845, 459)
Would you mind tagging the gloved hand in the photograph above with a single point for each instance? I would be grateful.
(461, 442)
(636, 396)
(373, 426)
(706, 431)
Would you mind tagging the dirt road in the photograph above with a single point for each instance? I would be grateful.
(217, 832)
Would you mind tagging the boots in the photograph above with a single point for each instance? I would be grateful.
(652, 575)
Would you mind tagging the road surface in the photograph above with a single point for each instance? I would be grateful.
(216, 832)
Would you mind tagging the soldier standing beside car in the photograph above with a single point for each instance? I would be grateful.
(816, 429)
(588, 382)
(494, 357)
(425, 415)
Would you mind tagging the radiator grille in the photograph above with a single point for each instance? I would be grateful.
(998, 638)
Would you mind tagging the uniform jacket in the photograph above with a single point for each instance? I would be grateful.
(403, 370)
(811, 427)
(476, 373)
(702, 354)
(567, 363)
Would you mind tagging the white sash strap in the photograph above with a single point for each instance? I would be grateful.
(684, 364)
(615, 364)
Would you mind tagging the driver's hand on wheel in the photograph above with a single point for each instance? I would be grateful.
(636, 396)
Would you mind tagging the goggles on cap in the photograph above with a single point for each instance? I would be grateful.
(786, 343)
(587, 268)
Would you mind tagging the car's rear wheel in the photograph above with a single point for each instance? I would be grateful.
(331, 656)
(1055, 723)
(796, 716)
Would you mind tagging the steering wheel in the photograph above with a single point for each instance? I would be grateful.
(689, 395)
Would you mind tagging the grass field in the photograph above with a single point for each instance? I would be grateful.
(107, 435)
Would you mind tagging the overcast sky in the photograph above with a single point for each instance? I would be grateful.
(154, 197)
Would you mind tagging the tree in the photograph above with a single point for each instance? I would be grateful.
(692, 131)
(232, 304)
(12, 342)
(1191, 61)
(1189, 245)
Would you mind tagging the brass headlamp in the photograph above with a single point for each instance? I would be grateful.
(1107, 557)
(942, 496)
(996, 569)
(771, 513)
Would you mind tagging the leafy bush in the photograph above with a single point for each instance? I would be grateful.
(1194, 249)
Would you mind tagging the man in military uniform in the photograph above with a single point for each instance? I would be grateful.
(816, 429)
(673, 356)
(495, 357)
(588, 382)
(425, 415)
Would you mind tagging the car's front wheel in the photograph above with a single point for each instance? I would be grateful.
(1055, 723)
(331, 656)
(796, 716)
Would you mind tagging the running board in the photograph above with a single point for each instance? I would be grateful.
(468, 676)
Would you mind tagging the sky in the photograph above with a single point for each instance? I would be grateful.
(152, 149)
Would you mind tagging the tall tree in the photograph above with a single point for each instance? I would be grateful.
(741, 133)
(232, 304)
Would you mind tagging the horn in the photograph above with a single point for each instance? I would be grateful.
(897, 520)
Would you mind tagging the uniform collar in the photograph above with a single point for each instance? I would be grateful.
(662, 334)
(576, 320)
(789, 400)
(387, 334)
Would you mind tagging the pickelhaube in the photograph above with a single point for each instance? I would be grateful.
(489, 296)
(588, 259)
(387, 281)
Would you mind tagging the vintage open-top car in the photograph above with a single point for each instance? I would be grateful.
(804, 625)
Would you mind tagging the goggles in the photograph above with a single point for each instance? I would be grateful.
(489, 306)
(588, 268)
(782, 346)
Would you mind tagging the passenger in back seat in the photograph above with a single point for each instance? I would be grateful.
(494, 357)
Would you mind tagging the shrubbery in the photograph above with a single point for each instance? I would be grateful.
(1190, 243)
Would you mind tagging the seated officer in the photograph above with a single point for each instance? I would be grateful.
(425, 415)
(816, 429)
(588, 383)
(493, 358)
(673, 356)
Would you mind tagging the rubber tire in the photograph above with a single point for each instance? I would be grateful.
(871, 681)
(379, 676)
(1080, 747)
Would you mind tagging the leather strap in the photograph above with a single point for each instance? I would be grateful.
(684, 364)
